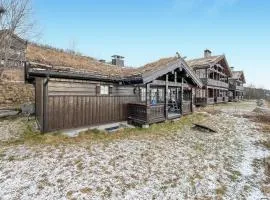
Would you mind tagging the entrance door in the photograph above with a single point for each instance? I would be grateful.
(174, 102)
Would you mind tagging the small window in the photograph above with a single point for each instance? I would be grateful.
(143, 94)
(104, 89)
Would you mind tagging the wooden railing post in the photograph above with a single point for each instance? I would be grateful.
(166, 96)
(182, 94)
(148, 103)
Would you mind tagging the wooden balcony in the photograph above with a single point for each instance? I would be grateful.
(142, 114)
(216, 83)
(240, 88)
(236, 87)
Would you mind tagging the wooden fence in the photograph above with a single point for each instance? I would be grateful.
(64, 112)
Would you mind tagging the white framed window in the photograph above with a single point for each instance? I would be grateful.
(104, 89)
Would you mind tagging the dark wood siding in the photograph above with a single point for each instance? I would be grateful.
(39, 101)
(73, 104)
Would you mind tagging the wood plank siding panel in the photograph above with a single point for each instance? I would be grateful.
(72, 105)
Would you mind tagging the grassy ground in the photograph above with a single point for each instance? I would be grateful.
(169, 160)
(31, 136)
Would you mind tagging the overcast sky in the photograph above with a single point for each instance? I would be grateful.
(144, 31)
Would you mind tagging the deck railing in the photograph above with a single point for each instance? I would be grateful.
(219, 99)
(210, 100)
(241, 88)
(186, 107)
(156, 114)
(143, 114)
(138, 113)
(200, 101)
(236, 87)
(216, 83)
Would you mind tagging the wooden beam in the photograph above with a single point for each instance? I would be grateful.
(45, 105)
(163, 83)
(175, 81)
(166, 96)
(148, 103)
(182, 95)
(147, 94)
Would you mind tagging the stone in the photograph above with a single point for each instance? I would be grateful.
(28, 108)
(145, 126)
(7, 113)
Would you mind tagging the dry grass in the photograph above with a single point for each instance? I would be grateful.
(33, 137)
(54, 57)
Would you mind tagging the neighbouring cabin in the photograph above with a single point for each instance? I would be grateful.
(12, 57)
(67, 99)
(214, 73)
(12, 50)
(236, 86)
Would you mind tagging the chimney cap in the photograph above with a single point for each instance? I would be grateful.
(208, 51)
(118, 56)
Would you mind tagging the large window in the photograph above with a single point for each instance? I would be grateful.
(157, 95)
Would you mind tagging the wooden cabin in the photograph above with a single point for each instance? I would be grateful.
(85, 92)
(236, 86)
(12, 49)
(214, 73)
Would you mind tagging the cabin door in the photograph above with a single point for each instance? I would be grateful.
(174, 102)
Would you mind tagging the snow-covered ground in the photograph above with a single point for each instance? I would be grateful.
(186, 164)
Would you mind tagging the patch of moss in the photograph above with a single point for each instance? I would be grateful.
(221, 190)
(11, 158)
(235, 175)
(86, 190)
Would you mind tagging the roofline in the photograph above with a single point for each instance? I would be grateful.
(40, 70)
(180, 63)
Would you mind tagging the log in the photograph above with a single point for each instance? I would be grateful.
(8, 113)
(204, 127)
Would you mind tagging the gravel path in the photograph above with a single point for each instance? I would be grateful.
(188, 164)
(11, 128)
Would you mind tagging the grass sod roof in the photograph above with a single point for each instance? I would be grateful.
(209, 61)
(200, 62)
(59, 59)
(66, 62)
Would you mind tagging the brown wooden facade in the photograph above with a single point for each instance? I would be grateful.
(12, 49)
(236, 86)
(214, 73)
(66, 100)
